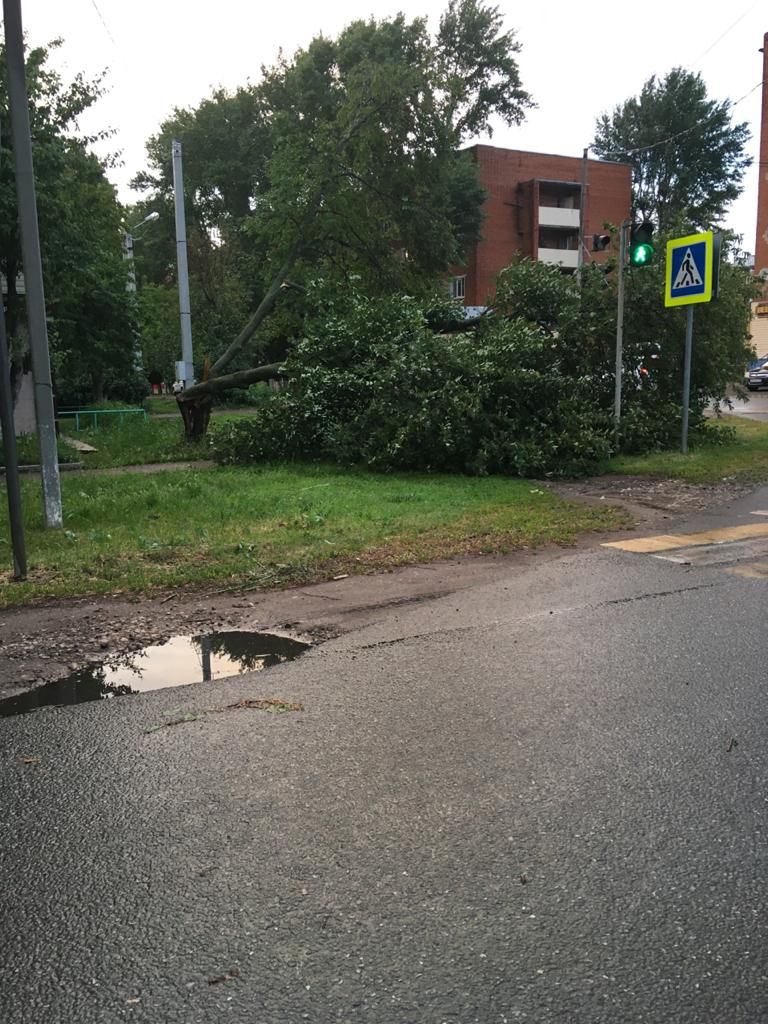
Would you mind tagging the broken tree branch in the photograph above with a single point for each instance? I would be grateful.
(239, 379)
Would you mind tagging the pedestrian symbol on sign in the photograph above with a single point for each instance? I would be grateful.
(688, 275)
(690, 269)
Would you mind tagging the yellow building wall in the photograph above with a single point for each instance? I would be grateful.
(759, 328)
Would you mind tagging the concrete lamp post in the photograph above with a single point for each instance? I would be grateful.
(128, 237)
(130, 285)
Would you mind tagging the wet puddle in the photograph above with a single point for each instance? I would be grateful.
(182, 659)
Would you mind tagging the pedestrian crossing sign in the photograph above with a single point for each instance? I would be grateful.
(690, 264)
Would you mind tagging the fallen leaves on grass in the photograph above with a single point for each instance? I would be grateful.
(264, 579)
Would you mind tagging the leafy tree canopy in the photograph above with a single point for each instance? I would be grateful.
(687, 155)
(80, 219)
(351, 165)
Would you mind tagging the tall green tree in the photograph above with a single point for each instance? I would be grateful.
(687, 154)
(91, 314)
(357, 172)
(93, 329)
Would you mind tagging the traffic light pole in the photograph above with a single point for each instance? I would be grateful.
(623, 232)
(687, 377)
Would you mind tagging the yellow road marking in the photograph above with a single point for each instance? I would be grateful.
(756, 571)
(670, 541)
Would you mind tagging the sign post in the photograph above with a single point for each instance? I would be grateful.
(691, 278)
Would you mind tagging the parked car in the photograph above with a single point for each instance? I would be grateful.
(757, 373)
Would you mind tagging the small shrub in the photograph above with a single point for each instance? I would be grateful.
(711, 433)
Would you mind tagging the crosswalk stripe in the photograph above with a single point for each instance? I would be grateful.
(755, 571)
(670, 541)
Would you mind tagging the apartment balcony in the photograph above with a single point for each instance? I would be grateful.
(558, 217)
(568, 258)
(20, 286)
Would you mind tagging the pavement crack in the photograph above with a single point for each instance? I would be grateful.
(658, 593)
(519, 621)
(420, 636)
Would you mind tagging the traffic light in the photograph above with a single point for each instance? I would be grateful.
(600, 242)
(641, 245)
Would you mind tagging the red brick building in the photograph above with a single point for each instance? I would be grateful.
(532, 210)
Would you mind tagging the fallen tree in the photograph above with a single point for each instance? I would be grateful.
(363, 178)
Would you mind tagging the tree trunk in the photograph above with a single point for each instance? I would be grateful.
(239, 379)
(196, 412)
(12, 311)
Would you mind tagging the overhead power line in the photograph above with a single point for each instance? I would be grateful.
(685, 131)
(103, 22)
(723, 34)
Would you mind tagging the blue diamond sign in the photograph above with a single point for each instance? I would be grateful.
(690, 266)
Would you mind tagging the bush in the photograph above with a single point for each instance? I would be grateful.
(529, 392)
(77, 392)
(373, 384)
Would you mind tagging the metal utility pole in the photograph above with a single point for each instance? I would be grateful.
(582, 205)
(130, 285)
(623, 232)
(182, 269)
(33, 273)
(11, 462)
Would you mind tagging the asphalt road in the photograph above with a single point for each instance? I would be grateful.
(755, 408)
(543, 799)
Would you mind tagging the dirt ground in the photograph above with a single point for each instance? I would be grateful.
(651, 500)
(45, 642)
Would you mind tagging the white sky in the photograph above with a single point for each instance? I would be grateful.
(578, 59)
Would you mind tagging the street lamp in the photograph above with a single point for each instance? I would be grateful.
(128, 237)
(130, 284)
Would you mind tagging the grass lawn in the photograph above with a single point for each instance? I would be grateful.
(155, 404)
(28, 452)
(270, 526)
(135, 442)
(745, 459)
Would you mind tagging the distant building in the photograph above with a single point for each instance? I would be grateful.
(759, 327)
(532, 210)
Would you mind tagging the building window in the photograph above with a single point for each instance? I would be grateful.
(457, 287)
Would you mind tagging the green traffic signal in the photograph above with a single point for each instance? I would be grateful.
(641, 254)
(641, 245)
